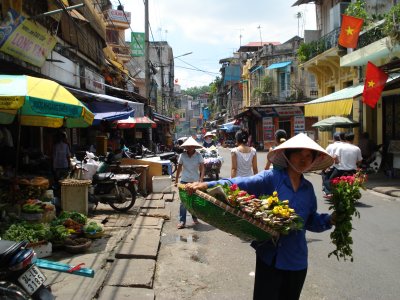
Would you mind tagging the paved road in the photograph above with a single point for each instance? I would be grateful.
(205, 263)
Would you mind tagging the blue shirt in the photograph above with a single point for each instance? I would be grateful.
(290, 252)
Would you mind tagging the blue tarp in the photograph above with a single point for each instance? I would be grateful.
(109, 111)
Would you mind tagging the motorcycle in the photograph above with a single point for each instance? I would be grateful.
(117, 190)
(20, 278)
(373, 163)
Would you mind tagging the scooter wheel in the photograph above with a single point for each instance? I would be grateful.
(128, 199)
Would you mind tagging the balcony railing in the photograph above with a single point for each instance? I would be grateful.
(326, 42)
(330, 40)
(372, 35)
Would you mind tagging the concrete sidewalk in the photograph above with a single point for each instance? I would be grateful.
(381, 183)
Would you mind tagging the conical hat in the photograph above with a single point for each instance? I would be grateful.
(209, 133)
(191, 142)
(300, 141)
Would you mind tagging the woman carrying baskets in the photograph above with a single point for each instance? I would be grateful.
(191, 164)
(281, 266)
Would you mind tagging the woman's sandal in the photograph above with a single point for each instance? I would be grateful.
(180, 226)
(196, 222)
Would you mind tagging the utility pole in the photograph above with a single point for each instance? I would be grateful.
(146, 51)
(259, 29)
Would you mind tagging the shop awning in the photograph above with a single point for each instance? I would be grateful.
(139, 122)
(279, 65)
(229, 127)
(137, 106)
(161, 118)
(107, 111)
(339, 103)
(255, 69)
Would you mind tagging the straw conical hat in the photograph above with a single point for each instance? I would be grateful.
(301, 141)
(191, 142)
(209, 133)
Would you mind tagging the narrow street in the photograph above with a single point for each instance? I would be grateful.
(205, 263)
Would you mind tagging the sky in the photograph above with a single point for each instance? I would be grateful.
(215, 29)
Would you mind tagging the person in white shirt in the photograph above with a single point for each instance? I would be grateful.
(244, 158)
(347, 157)
(338, 139)
(191, 164)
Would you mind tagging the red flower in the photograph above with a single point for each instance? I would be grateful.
(233, 187)
(242, 193)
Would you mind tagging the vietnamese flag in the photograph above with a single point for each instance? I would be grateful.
(350, 30)
(375, 80)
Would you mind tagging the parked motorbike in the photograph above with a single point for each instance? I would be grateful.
(20, 278)
(117, 190)
(373, 163)
(173, 158)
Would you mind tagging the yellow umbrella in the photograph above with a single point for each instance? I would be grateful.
(40, 102)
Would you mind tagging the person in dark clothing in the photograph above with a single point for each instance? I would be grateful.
(281, 266)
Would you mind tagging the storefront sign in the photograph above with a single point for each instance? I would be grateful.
(116, 15)
(137, 44)
(268, 128)
(94, 82)
(284, 111)
(25, 40)
(299, 124)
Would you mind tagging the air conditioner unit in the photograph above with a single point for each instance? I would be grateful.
(336, 15)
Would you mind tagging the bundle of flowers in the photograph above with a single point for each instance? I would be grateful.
(270, 210)
(345, 195)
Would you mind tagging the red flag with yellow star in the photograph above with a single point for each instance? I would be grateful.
(375, 80)
(350, 30)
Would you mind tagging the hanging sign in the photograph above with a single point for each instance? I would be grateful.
(137, 44)
(25, 40)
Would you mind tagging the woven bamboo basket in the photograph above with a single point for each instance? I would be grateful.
(225, 217)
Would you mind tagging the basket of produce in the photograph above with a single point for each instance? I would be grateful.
(243, 215)
(93, 230)
(78, 245)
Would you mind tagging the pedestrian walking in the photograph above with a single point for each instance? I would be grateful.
(281, 267)
(208, 140)
(280, 137)
(338, 139)
(348, 157)
(191, 165)
(61, 156)
(244, 158)
(367, 147)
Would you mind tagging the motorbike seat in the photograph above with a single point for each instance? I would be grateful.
(8, 249)
(103, 176)
(167, 155)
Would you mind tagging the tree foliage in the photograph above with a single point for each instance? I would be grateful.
(197, 90)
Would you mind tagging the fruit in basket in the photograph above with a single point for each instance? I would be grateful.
(270, 210)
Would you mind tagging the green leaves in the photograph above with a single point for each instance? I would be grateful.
(345, 194)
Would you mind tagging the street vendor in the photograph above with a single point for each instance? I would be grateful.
(191, 164)
(208, 139)
(281, 266)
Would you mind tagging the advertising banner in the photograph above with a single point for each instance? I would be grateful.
(116, 15)
(25, 40)
(299, 124)
(137, 44)
(268, 128)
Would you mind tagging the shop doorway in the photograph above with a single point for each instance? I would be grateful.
(285, 125)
